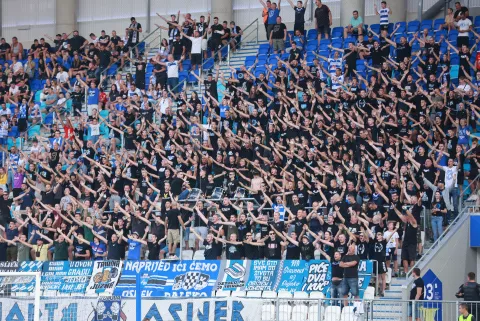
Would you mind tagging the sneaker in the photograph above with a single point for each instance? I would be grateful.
(395, 275)
(174, 257)
(419, 256)
(381, 295)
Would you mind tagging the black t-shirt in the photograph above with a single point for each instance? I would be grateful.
(115, 250)
(418, 283)
(341, 248)
(278, 31)
(76, 42)
(173, 222)
(322, 16)
(379, 250)
(212, 250)
(273, 249)
(299, 15)
(234, 252)
(351, 272)
(337, 271)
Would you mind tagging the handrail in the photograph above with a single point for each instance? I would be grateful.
(241, 41)
(129, 53)
(445, 232)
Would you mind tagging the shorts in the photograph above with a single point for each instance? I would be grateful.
(186, 236)
(350, 285)
(462, 41)
(384, 27)
(417, 310)
(215, 44)
(202, 231)
(323, 30)
(278, 44)
(173, 236)
(196, 59)
(382, 267)
(391, 256)
(409, 252)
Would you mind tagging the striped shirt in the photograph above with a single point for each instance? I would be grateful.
(384, 16)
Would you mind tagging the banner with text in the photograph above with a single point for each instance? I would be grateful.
(165, 278)
(66, 276)
(225, 309)
(105, 276)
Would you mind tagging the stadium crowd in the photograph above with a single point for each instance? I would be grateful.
(345, 151)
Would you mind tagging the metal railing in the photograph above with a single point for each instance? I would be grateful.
(253, 30)
(147, 40)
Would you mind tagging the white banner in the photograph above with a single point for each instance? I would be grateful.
(62, 308)
(193, 309)
(104, 277)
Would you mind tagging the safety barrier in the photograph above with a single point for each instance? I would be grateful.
(281, 307)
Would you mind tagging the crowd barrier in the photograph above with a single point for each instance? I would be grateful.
(186, 278)
(228, 309)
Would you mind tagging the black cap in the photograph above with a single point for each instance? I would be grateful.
(370, 34)
(132, 18)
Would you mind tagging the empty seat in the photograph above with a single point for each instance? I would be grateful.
(314, 311)
(369, 293)
(269, 294)
(284, 312)
(254, 294)
(332, 313)
(199, 255)
(239, 294)
(223, 294)
(347, 314)
(285, 295)
(299, 312)
(317, 295)
(187, 254)
(300, 295)
(268, 311)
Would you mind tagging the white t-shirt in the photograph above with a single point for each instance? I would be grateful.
(463, 25)
(62, 77)
(450, 176)
(196, 45)
(95, 129)
(172, 69)
(393, 241)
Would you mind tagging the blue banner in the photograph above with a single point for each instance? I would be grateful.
(166, 278)
(66, 277)
(109, 309)
(263, 275)
(26, 284)
(233, 275)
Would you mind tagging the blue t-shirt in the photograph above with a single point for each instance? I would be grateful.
(272, 16)
(223, 110)
(134, 250)
(93, 96)
(97, 249)
(462, 135)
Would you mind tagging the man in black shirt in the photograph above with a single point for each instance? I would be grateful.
(178, 48)
(173, 222)
(350, 264)
(300, 10)
(273, 247)
(216, 40)
(115, 248)
(416, 293)
(323, 20)
(77, 42)
(404, 48)
(4, 49)
(337, 276)
(459, 9)
(278, 36)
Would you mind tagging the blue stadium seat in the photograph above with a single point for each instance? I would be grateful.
(413, 26)
(375, 27)
(337, 32)
(437, 23)
(426, 24)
